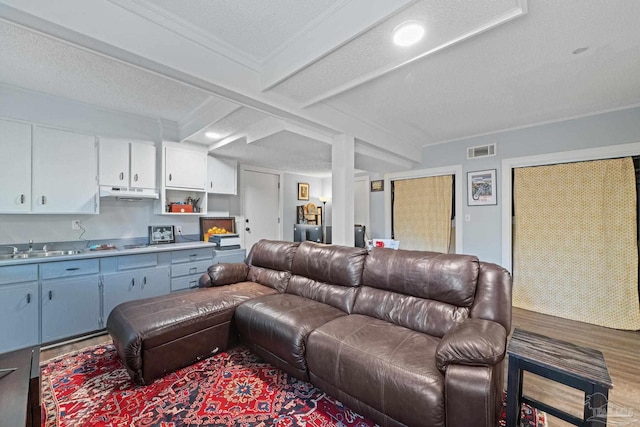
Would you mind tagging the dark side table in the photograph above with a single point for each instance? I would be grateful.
(578, 367)
(20, 388)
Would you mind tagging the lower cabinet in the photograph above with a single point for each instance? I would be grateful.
(19, 309)
(70, 306)
(70, 292)
(131, 285)
(187, 266)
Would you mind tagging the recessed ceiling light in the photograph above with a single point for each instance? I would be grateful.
(408, 33)
(212, 135)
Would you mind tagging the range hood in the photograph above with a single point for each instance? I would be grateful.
(129, 194)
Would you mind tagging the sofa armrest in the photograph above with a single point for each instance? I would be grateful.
(474, 342)
(224, 274)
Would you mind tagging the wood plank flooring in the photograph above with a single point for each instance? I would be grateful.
(621, 350)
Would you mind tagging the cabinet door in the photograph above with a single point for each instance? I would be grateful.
(70, 307)
(155, 282)
(18, 316)
(15, 167)
(185, 168)
(114, 162)
(65, 169)
(118, 288)
(221, 176)
(143, 165)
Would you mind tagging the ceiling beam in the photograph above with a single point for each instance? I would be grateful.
(212, 110)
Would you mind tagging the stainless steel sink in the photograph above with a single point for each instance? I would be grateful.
(39, 254)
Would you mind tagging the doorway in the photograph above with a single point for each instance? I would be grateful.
(261, 205)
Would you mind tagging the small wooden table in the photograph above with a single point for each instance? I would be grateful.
(20, 389)
(578, 367)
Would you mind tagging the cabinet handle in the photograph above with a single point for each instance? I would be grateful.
(133, 282)
(144, 281)
(73, 268)
(135, 177)
(29, 298)
(193, 270)
(121, 176)
(193, 284)
(44, 200)
(170, 177)
(22, 199)
(210, 184)
(50, 295)
(193, 256)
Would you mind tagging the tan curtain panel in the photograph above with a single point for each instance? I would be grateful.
(422, 213)
(575, 242)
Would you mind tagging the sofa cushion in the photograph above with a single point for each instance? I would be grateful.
(389, 368)
(276, 327)
(447, 278)
(269, 263)
(327, 274)
(422, 315)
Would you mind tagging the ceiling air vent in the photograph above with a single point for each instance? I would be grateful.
(481, 151)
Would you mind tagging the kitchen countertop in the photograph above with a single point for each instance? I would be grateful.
(110, 252)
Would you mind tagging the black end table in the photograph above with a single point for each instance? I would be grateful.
(578, 367)
(20, 388)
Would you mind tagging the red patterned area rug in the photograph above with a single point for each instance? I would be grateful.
(234, 388)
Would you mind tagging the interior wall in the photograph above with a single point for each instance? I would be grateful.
(482, 233)
(317, 186)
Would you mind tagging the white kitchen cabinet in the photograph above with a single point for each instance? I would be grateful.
(222, 175)
(65, 172)
(143, 165)
(114, 162)
(127, 164)
(15, 167)
(185, 168)
(18, 307)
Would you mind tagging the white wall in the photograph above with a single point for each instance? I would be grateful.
(482, 235)
(317, 187)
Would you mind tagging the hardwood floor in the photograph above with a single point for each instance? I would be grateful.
(621, 350)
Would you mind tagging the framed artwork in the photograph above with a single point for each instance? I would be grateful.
(303, 191)
(377, 185)
(481, 188)
(159, 234)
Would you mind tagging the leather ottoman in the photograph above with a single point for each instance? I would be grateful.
(159, 335)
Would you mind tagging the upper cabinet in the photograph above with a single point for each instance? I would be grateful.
(222, 176)
(15, 167)
(185, 168)
(127, 164)
(65, 172)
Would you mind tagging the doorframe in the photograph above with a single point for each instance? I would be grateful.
(367, 197)
(455, 170)
(248, 168)
(583, 155)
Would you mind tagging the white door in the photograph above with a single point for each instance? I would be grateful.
(185, 168)
(361, 201)
(261, 202)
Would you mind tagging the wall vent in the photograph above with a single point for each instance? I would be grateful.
(481, 151)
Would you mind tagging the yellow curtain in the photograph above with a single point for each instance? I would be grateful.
(422, 213)
(575, 242)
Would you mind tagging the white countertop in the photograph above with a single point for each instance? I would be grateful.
(110, 252)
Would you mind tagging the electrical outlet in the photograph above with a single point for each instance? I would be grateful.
(179, 229)
(75, 224)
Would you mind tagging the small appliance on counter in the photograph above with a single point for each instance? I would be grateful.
(225, 241)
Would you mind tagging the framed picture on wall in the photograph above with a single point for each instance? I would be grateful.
(159, 234)
(303, 191)
(482, 188)
(377, 185)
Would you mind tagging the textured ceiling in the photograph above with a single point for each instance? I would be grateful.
(32, 61)
(484, 66)
(257, 28)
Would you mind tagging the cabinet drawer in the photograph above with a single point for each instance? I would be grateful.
(237, 255)
(52, 270)
(185, 282)
(191, 255)
(190, 268)
(18, 273)
(137, 261)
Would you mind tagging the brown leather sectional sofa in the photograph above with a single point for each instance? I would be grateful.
(405, 338)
